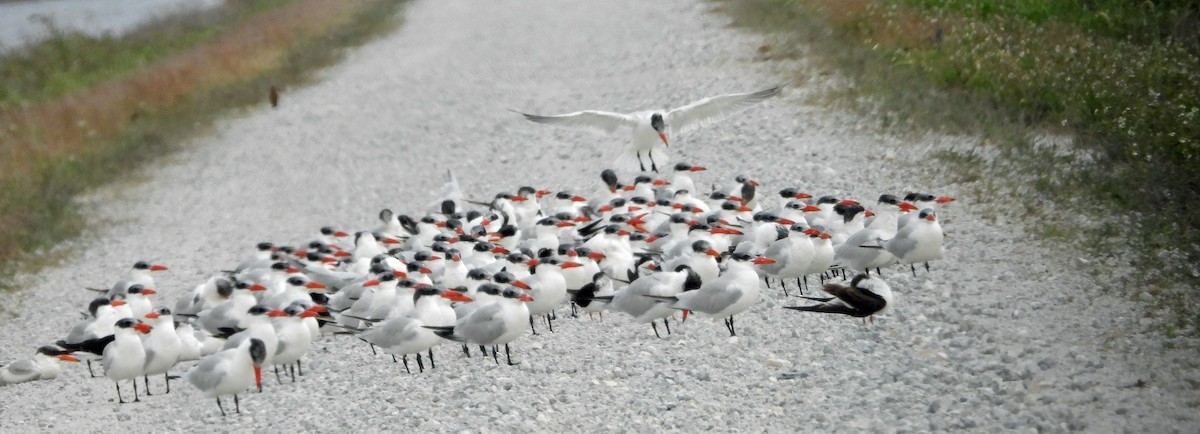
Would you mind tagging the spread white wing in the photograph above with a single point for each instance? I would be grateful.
(714, 109)
(606, 122)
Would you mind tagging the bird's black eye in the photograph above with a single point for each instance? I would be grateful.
(295, 281)
(679, 167)
(126, 323)
(327, 230)
(142, 265)
(662, 202)
(678, 218)
(563, 195)
(741, 178)
(642, 179)
(258, 309)
(827, 199)
(428, 219)
(265, 246)
(788, 192)
(729, 206)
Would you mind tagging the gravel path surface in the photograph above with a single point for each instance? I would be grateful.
(1000, 335)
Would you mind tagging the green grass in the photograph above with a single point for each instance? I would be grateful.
(1123, 78)
(38, 211)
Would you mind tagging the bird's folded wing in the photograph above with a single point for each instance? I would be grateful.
(856, 298)
(713, 109)
(21, 368)
(607, 122)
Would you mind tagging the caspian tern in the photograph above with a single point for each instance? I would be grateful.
(651, 127)
(124, 357)
(865, 297)
(631, 300)
(43, 366)
(294, 336)
(732, 293)
(138, 275)
(162, 346)
(407, 333)
(498, 323)
(230, 372)
(87, 335)
(918, 241)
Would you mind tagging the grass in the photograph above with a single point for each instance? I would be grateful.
(1121, 78)
(161, 84)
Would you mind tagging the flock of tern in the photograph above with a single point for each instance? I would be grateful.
(484, 274)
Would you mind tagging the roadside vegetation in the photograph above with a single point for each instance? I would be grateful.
(78, 111)
(1096, 102)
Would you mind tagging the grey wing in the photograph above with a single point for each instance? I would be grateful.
(206, 375)
(150, 355)
(485, 325)
(21, 370)
(714, 301)
(280, 346)
(900, 245)
(714, 109)
(607, 122)
(855, 298)
(777, 251)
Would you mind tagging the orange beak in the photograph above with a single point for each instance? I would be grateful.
(945, 199)
(567, 265)
(152, 315)
(370, 283)
(712, 252)
(67, 358)
(143, 327)
(340, 234)
(520, 284)
(456, 296)
(315, 285)
(308, 314)
(148, 291)
(697, 168)
(525, 298)
(162, 268)
(664, 139)
(763, 260)
(905, 206)
(117, 303)
(276, 313)
(810, 208)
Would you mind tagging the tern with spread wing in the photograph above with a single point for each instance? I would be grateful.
(652, 127)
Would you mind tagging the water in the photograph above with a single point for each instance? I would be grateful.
(23, 22)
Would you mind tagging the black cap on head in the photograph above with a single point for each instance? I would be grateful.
(126, 323)
(258, 309)
(141, 265)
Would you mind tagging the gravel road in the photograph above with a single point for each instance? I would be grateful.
(1003, 334)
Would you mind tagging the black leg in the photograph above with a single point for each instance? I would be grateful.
(299, 370)
(640, 165)
(495, 355)
(767, 281)
(167, 377)
(653, 166)
(420, 363)
(292, 372)
(431, 366)
(783, 284)
(877, 271)
(145, 379)
(135, 393)
(373, 349)
(394, 359)
(914, 269)
(732, 329)
(466, 351)
(277, 374)
(221, 407)
(508, 355)
(119, 399)
(405, 359)
(798, 285)
(667, 322)
(550, 322)
(926, 267)
(654, 326)
(89, 363)
(531, 327)
(237, 405)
